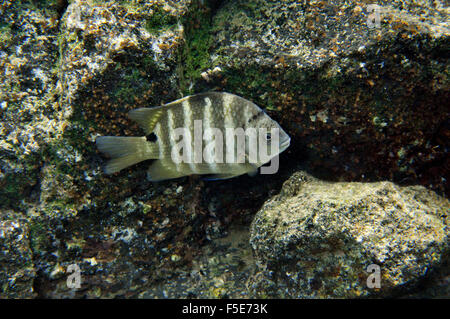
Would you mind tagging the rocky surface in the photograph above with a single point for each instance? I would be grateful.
(18, 271)
(361, 104)
(318, 239)
(364, 102)
(28, 54)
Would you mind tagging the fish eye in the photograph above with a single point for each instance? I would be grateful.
(268, 137)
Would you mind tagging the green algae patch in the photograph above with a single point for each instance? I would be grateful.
(160, 20)
(194, 55)
(5, 35)
(39, 239)
(19, 185)
(135, 79)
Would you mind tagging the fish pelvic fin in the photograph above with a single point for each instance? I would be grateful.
(146, 117)
(253, 173)
(125, 151)
(163, 169)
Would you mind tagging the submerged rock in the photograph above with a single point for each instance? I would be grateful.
(366, 103)
(362, 89)
(28, 55)
(322, 239)
(17, 272)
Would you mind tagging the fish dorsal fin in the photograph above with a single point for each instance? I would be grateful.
(146, 117)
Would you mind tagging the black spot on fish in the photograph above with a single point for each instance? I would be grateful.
(152, 137)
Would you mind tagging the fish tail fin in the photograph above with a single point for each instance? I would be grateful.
(125, 151)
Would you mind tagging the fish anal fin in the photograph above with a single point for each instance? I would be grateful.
(220, 176)
(163, 169)
(146, 117)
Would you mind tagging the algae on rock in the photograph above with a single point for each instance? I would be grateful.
(318, 239)
(72, 70)
(361, 102)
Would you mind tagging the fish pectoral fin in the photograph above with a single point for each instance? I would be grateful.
(219, 176)
(146, 117)
(163, 169)
(252, 168)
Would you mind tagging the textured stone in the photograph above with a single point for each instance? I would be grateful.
(317, 239)
(362, 103)
(365, 103)
(28, 54)
(17, 272)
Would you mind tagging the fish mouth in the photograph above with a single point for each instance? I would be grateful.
(285, 144)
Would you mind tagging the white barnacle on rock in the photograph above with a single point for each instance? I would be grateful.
(322, 116)
(205, 76)
(125, 235)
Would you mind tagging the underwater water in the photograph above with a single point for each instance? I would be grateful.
(350, 101)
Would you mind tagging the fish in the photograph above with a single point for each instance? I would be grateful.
(210, 134)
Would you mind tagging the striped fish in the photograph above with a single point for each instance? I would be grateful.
(201, 119)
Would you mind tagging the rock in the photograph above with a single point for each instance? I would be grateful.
(71, 70)
(99, 61)
(113, 57)
(28, 55)
(221, 270)
(66, 69)
(17, 272)
(133, 44)
(322, 239)
(362, 101)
